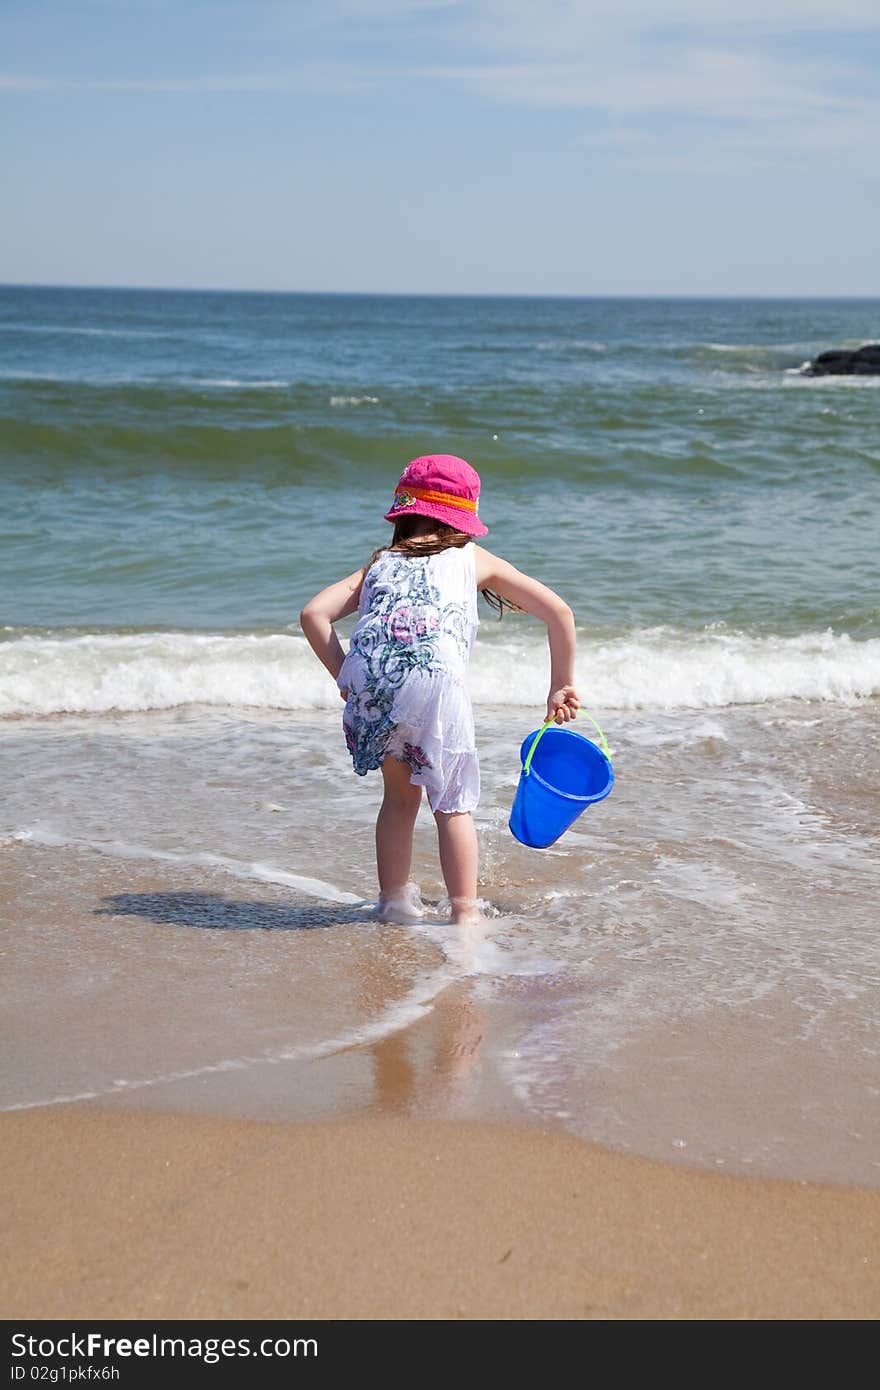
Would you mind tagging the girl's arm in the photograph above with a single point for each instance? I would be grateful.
(325, 609)
(527, 593)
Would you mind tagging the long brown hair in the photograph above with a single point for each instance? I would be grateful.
(410, 538)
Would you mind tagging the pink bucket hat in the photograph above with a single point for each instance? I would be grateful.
(443, 487)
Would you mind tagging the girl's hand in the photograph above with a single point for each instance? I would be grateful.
(563, 704)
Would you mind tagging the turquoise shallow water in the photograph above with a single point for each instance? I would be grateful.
(203, 460)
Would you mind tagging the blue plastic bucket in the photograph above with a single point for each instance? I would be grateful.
(562, 774)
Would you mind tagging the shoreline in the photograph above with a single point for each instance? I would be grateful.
(154, 1216)
(190, 983)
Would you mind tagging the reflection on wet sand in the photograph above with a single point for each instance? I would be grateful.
(430, 1067)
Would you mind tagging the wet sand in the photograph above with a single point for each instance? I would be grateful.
(291, 1111)
(157, 1216)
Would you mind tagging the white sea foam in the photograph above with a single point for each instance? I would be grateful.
(797, 376)
(354, 400)
(101, 379)
(57, 328)
(753, 347)
(570, 345)
(237, 868)
(655, 668)
(256, 385)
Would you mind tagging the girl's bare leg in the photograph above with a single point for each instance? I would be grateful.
(458, 860)
(394, 830)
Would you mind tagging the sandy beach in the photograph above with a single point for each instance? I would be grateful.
(226, 1166)
(156, 1216)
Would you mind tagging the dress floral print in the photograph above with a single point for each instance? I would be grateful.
(406, 669)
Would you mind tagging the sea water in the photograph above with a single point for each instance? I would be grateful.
(692, 970)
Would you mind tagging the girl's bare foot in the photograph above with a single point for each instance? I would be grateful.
(466, 912)
(401, 905)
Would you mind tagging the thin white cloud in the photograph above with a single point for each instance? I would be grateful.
(327, 77)
(570, 26)
(393, 9)
(709, 83)
(560, 21)
(769, 71)
(847, 137)
(747, 65)
(23, 82)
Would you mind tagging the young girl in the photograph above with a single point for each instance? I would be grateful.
(407, 708)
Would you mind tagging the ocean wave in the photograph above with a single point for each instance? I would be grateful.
(353, 400)
(655, 668)
(570, 345)
(233, 381)
(99, 381)
(83, 332)
(754, 348)
(796, 376)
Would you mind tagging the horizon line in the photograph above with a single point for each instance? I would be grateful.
(421, 294)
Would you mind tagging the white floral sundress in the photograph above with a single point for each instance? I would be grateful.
(406, 673)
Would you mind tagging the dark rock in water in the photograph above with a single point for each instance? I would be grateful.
(863, 361)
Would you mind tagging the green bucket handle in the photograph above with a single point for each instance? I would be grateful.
(604, 742)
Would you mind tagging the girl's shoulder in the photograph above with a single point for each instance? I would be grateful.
(486, 565)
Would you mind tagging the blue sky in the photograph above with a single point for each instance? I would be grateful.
(487, 146)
